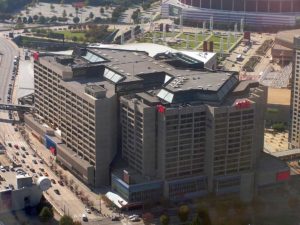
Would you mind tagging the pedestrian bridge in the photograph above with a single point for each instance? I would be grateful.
(12, 107)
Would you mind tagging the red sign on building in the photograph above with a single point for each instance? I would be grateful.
(243, 104)
(161, 108)
(282, 176)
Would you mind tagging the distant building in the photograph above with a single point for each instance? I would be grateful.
(294, 134)
(282, 50)
(153, 127)
(256, 13)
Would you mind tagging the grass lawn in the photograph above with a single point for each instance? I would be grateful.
(192, 37)
(69, 35)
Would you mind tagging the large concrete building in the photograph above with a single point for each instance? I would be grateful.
(256, 13)
(294, 135)
(153, 127)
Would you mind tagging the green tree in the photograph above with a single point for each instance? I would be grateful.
(25, 19)
(203, 214)
(42, 20)
(76, 19)
(278, 127)
(62, 2)
(87, 2)
(53, 19)
(77, 223)
(135, 16)
(197, 221)
(19, 20)
(46, 214)
(64, 14)
(91, 15)
(52, 7)
(35, 17)
(164, 219)
(183, 213)
(66, 220)
(102, 10)
(30, 20)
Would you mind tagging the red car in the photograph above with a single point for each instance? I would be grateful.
(16, 146)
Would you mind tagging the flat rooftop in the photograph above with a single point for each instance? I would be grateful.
(8, 178)
(210, 81)
(174, 72)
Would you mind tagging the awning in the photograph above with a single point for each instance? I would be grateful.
(116, 199)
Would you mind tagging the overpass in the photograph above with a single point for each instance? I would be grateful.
(12, 107)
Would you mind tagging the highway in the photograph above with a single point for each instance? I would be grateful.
(8, 51)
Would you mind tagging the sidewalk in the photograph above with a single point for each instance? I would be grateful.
(47, 156)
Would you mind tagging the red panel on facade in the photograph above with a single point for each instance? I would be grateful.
(281, 176)
(160, 108)
(53, 150)
(36, 56)
(242, 104)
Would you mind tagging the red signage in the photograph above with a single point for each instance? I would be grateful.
(36, 56)
(244, 104)
(53, 150)
(78, 4)
(282, 176)
(161, 108)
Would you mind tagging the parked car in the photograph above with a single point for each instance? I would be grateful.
(57, 191)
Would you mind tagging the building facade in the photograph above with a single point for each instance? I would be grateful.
(162, 127)
(255, 13)
(294, 134)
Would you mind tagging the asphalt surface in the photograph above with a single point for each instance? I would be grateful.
(8, 51)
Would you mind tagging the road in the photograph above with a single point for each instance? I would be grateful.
(8, 50)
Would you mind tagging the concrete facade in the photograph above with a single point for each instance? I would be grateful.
(294, 134)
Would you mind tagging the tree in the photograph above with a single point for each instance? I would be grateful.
(66, 220)
(46, 214)
(197, 221)
(76, 19)
(52, 7)
(183, 213)
(278, 127)
(91, 15)
(30, 20)
(203, 214)
(19, 20)
(35, 17)
(164, 219)
(64, 14)
(87, 3)
(102, 10)
(53, 19)
(42, 20)
(62, 2)
(77, 223)
(25, 19)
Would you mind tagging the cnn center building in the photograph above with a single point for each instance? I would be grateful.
(266, 13)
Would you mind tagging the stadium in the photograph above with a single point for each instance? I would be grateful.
(256, 13)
